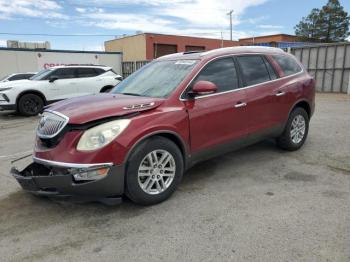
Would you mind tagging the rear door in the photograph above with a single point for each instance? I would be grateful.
(291, 84)
(262, 106)
(87, 82)
(220, 118)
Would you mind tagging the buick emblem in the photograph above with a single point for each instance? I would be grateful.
(42, 121)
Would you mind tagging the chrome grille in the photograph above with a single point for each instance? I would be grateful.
(51, 124)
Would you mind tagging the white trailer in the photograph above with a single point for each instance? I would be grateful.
(14, 60)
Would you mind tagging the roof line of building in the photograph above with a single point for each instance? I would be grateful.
(56, 51)
(147, 33)
(263, 36)
(240, 39)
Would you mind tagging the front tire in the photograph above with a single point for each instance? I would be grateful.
(30, 105)
(296, 130)
(154, 171)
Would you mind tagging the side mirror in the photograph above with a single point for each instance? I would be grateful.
(52, 79)
(203, 88)
(119, 78)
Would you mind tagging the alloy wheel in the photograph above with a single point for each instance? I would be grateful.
(297, 130)
(156, 172)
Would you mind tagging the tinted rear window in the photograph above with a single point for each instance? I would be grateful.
(288, 65)
(254, 69)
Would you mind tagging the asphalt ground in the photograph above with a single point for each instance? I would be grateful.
(256, 204)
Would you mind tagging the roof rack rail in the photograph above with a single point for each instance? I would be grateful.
(193, 52)
(84, 65)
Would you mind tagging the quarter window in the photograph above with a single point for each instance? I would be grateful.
(254, 70)
(222, 73)
(288, 65)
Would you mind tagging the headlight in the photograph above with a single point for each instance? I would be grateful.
(99, 136)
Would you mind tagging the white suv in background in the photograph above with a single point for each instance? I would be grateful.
(54, 84)
(17, 76)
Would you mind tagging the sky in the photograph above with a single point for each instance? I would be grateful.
(86, 24)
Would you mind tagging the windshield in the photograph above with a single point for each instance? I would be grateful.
(3, 78)
(41, 74)
(157, 79)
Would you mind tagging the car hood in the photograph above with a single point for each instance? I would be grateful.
(85, 109)
(14, 83)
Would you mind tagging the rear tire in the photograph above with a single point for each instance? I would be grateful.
(30, 105)
(154, 171)
(296, 130)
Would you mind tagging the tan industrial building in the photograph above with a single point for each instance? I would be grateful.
(148, 46)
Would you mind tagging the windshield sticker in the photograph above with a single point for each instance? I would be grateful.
(185, 62)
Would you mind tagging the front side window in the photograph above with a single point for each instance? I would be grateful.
(156, 79)
(254, 69)
(222, 73)
(288, 65)
(64, 73)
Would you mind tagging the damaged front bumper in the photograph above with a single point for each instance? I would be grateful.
(102, 182)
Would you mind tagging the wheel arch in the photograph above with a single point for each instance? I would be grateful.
(32, 91)
(170, 135)
(303, 104)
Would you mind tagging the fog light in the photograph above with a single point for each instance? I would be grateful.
(90, 175)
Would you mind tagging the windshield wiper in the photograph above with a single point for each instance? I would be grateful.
(130, 94)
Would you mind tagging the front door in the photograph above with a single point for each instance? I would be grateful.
(66, 84)
(217, 119)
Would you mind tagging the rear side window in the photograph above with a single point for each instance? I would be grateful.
(254, 70)
(86, 72)
(272, 72)
(288, 65)
(222, 73)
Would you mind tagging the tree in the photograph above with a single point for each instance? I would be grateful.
(328, 24)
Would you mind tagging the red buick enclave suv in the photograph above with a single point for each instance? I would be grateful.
(178, 110)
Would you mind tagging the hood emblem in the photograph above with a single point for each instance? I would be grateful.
(43, 121)
(138, 106)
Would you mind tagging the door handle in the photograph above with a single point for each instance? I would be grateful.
(240, 104)
(280, 93)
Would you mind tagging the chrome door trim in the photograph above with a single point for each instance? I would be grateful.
(242, 88)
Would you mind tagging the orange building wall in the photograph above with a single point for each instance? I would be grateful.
(182, 42)
(269, 39)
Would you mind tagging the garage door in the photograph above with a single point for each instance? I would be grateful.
(161, 49)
